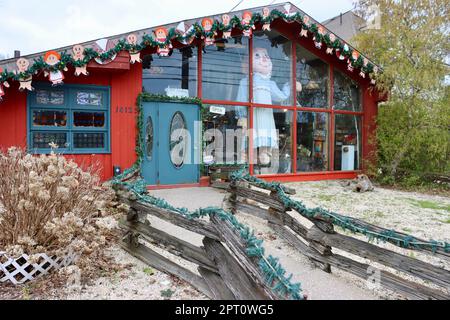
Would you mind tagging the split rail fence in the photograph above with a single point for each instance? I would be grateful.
(317, 238)
(225, 270)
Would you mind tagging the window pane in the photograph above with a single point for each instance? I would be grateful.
(49, 118)
(89, 119)
(41, 140)
(348, 138)
(347, 95)
(85, 98)
(89, 140)
(272, 140)
(225, 70)
(226, 135)
(272, 69)
(49, 97)
(175, 75)
(312, 141)
(313, 74)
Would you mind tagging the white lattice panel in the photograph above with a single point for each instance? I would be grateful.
(21, 270)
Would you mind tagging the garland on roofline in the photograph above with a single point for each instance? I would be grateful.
(53, 63)
(346, 223)
(272, 270)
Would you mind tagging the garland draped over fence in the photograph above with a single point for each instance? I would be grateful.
(318, 32)
(346, 223)
(273, 271)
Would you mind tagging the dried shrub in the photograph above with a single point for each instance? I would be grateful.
(49, 204)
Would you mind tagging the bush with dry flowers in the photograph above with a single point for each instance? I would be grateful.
(49, 204)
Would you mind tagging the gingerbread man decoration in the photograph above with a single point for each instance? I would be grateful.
(135, 55)
(78, 55)
(266, 19)
(304, 31)
(362, 74)
(332, 40)
(226, 24)
(163, 49)
(375, 72)
(56, 77)
(3, 84)
(355, 56)
(246, 20)
(24, 81)
(318, 42)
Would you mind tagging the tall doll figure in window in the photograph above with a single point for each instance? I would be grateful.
(265, 91)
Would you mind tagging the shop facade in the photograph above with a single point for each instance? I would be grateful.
(276, 91)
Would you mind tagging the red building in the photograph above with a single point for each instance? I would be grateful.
(265, 68)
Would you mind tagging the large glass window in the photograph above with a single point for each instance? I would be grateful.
(225, 70)
(313, 74)
(312, 141)
(272, 69)
(348, 136)
(226, 136)
(347, 94)
(272, 140)
(174, 76)
(74, 118)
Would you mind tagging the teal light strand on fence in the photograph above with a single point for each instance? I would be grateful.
(346, 223)
(272, 270)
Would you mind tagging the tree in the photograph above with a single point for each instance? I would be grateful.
(411, 45)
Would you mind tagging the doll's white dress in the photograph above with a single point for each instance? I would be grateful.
(265, 91)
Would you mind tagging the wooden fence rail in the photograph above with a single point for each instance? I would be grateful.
(317, 239)
(223, 272)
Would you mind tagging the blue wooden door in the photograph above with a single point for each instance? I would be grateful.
(170, 146)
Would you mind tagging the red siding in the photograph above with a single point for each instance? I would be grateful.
(13, 115)
(125, 87)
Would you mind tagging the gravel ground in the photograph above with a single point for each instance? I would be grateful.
(140, 282)
(426, 216)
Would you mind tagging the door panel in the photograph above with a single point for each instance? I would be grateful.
(150, 148)
(171, 157)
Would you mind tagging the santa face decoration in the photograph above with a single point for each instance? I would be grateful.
(207, 24)
(246, 20)
(56, 77)
(24, 81)
(78, 55)
(266, 14)
(135, 55)
(3, 84)
(161, 37)
(226, 23)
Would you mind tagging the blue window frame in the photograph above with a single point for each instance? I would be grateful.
(75, 117)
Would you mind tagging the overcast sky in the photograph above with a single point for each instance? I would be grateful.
(36, 25)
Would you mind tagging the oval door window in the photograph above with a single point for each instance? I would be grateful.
(178, 140)
(149, 139)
